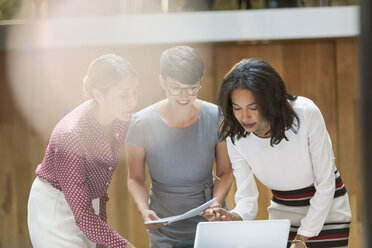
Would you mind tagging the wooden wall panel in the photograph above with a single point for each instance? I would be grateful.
(20, 147)
(228, 55)
(207, 92)
(309, 70)
(348, 101)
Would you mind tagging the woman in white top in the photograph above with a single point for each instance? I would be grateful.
(282, 140)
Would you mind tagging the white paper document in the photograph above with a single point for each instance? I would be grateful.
(191, 213)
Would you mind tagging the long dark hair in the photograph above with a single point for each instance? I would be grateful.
(271, 97)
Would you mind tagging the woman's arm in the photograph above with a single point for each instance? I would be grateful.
(299, 242)
(224, 174)
(71, 176)
(137, 185)
(322, 159)
(246, 194)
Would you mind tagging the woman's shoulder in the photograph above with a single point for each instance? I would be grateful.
(236, 144)
(209, 113)
(144, 115)
(307, 110)
(74, 121)
(146, 112)
(208, 105)
(209, 108)
(303, 104)
(65, 138)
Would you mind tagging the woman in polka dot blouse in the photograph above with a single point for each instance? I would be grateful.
(67, 202)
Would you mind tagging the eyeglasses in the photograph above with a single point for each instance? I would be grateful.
(191, 91)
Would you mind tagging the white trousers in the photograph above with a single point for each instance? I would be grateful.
(50, 219)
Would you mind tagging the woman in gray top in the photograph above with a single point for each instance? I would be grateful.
(178, 139)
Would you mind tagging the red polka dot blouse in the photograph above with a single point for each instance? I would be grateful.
(80, 162)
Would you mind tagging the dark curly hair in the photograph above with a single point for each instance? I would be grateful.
(271, 97)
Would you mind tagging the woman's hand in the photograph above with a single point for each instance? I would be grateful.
(221, 214)
(128, 245)
(299, 242)
(208, 213)
(148, 215)
(297, 245)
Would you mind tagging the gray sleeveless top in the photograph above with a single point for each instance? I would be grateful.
(180, 162)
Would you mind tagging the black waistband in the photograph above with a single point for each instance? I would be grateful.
(301, 197)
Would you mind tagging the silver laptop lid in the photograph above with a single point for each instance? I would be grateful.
(243, 234)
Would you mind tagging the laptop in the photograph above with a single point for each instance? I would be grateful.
(243, 234)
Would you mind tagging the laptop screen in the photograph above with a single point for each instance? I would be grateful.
(243, 234)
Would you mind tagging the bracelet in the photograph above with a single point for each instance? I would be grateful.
(299, 241)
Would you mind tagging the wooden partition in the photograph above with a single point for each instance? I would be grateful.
(323, 70)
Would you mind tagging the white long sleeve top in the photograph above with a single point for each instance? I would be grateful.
(306, 159)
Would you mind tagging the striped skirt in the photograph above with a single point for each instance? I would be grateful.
(294, 204)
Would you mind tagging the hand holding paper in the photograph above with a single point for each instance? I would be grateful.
(191, 213)
(149, 215)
